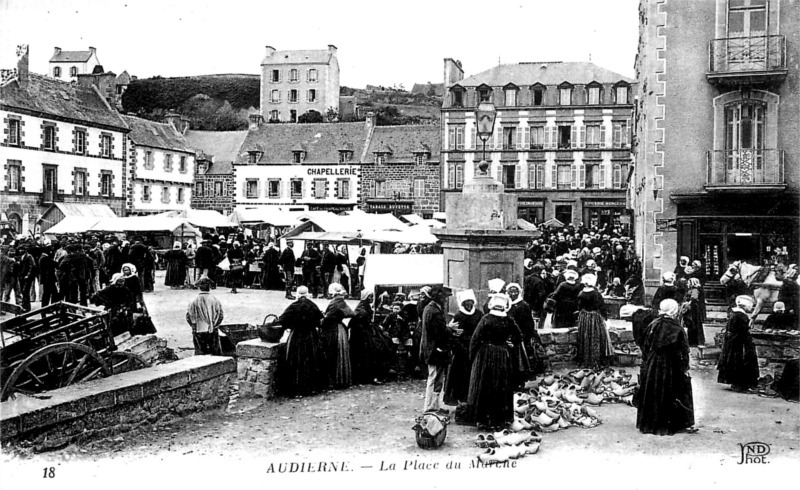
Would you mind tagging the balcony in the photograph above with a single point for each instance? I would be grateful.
(750, 170)
(747, 60)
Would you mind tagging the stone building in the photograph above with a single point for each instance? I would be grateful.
(161, 168)
(561, 138)
(400, 172)
(316, 165)
(61, 142)
(213, 179)
(297, 81)
(67, 65)
(717, 149)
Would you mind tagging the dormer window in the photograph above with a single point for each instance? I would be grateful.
(298, 156)
(593, 93)
(253, 157)
(420, 158)
(484, 94)
(538, 94)
(510, 95)
(457, 96)
(565, 94)
(345, 156)
(621, 93)
(380, 158)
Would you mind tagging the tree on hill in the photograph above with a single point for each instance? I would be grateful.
(311, 116)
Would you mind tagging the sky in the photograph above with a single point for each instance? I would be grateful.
(379, 43)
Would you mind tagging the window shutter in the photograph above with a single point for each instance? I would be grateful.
(451, 142)
(581, 175)
(517, 177)
(548, 137)
(526, 138)
(602, 176)
(496, 138)
(473, 135)
(573, 183)
(617, 177)
(244, 189)
(574, 139)
(517, 133)
(499, 172)
(582, 136)
(549, 176)
(602, 136)
(540, 176)
(531, 176)
(336, 189)
(303, 189)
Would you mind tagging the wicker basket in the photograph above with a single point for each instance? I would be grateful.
(239, 332)
(270, 331)
(424, 439)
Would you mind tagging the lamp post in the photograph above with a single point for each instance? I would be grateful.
(485, 117)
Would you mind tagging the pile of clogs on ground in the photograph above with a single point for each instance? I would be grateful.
(555, 402)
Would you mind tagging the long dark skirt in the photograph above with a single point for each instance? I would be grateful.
(594, 346)
(665, 403)
(235, 278)
(738, 362)
(371, 354)
(176, 274)
(120, 319)
(490, 396)
(301, 373)
(336, 349)
(456, 386)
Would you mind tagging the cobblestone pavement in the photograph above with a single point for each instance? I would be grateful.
(369, 426)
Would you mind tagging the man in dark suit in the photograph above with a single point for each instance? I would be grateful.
(287, 261)
(435, 348)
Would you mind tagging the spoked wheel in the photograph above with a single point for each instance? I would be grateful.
(122, 362)
(55, 366)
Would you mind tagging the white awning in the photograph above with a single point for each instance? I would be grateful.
(72, 224)
(403, 270)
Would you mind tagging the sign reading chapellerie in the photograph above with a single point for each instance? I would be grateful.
(332, 171)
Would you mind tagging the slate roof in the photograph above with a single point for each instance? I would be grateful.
(56, 98)
(222, 145)
(220, 168)
(321, 142)
(155, 135)
(319, 56)
(546, 73)
(71, 56)
(124, 78)
(405, 141)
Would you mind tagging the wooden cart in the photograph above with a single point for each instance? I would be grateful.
(56, 346)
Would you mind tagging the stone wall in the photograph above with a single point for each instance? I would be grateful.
(257, 367)
(119, 403)
(209, 200)
(399, 180)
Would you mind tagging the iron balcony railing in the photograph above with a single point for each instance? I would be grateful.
(747, 54)
(745, 167)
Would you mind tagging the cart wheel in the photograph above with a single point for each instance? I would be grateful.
(122, 362)
(53, 367)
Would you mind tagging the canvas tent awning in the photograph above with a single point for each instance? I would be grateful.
(329, 236)
(266, 216)
(553, 223)
(176, 226)
(86, 215)
(206, 218)
(403, 270)
(72, 224)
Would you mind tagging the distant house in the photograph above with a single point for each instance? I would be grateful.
(213, 177)
(296, 81)
(61, 142)
(437, 89)
(67, 65)
(161, 167)
(400, 171)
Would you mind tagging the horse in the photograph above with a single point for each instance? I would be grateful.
(761, 281)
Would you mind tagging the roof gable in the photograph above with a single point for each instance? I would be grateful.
(156, 135)
(60, 99)
(296, 57)
(71, 57)
(321, 142)
(405, 142)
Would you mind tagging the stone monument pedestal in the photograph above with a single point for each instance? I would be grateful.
(482, 240)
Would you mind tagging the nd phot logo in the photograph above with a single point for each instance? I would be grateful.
(754, 452)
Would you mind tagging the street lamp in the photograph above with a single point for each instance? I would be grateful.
(485, 117)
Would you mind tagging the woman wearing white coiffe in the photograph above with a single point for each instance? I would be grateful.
(594, 344)
(456, 386)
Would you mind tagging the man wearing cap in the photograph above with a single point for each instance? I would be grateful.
(435, 348)
(205, 315)
(27, 274)
(9, 274)
(287, 261)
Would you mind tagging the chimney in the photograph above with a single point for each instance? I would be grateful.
(452, 72)
(185, 123)
(270, 51)
(255, 121)
(92, 50)
(173, 119)
(332, 48)
(370, 120)
(57, 51)
(22, 65)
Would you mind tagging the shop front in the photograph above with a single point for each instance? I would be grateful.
(605, 212)
(397, 207)
(531, 209)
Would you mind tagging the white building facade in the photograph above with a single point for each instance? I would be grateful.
(67, 65)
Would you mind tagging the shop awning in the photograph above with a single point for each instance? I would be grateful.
(72, 224)
(206, 218)
(86, 214)
(266, 216)
(403, 270)
(553, 223)
(134, 224)
(328, 236)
